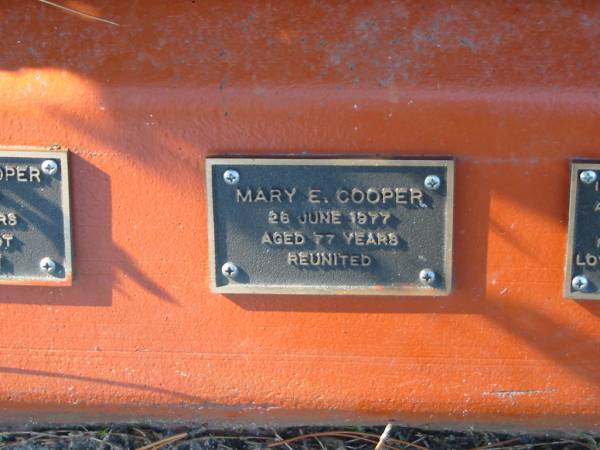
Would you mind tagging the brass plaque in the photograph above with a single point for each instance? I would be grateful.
(35, 237)
(330, 226)
(582, 274)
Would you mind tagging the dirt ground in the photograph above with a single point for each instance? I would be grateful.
(298, 438)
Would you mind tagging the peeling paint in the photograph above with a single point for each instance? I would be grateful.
(516, 393)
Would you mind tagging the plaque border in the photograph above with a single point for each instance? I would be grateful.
(575, 166)
(51, 152)
(295, 289)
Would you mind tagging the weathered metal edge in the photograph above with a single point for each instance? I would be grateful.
(53, 151)
(568, 292)
(449, 214)
(448, 163)
(211, 226)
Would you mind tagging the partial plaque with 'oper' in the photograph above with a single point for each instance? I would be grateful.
(35, 238)
(330, 226)
(582, 274)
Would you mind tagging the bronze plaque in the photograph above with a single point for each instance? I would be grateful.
(330, 226)
(582, 274)
(35, 236)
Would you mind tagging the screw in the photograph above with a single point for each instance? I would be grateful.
(229, 269)
(231, 176)
(580, 283)
(49, 167)
(47, 265)
(588, 176)
(432, 182)
(427, 276)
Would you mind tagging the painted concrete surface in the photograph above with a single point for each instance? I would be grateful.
(510, 89)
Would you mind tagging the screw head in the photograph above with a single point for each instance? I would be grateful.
(231, 176)
(432, 182)
(229, 269)
(588, 176)
(49, 167)
(580, 283)
(47, 265)
(427, 277)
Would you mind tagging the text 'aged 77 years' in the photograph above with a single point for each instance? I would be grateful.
(330, 226)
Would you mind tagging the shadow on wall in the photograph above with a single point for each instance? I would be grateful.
(168, 393)
(552, 329)
(97, 259)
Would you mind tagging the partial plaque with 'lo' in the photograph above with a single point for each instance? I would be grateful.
(330, 226)
(35, 238)
(582, 274)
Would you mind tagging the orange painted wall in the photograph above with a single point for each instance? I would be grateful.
(511, 89)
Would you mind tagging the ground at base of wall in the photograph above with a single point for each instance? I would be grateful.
(301, 438)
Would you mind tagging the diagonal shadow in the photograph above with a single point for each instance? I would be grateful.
(96, 258)
(103, 381)
(565, 344)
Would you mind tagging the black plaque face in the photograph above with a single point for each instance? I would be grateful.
(35, 241)
(330, 226)
(582, 275)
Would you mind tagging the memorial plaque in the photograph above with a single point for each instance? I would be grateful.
(330, 226)
(35, 241)
(582, 274)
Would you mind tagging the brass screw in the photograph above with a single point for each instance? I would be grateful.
(229, 269)
(427, 276)
(588, 176)
(580, 283)
(231, 176)
(432, 182)
(49, 167)
(47, 265)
